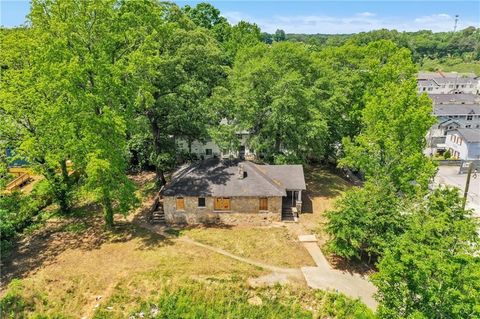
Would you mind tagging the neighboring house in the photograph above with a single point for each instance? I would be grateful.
(466, 98)
(209, 149)
(464, 143)
(448, 83)
(232, 191)
(449, 117)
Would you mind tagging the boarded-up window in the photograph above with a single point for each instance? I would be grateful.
(263, 203)
(180, 203)
(222, 203)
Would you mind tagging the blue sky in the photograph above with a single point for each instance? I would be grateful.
(322, 16)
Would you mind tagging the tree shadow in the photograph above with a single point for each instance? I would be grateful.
(325, 181)
(83, 229)
(360, 267)
(322, 181)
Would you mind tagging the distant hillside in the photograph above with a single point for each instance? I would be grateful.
(450, 65)
(425, 45)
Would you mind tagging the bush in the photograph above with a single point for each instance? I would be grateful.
(447, 154)
(17, 211)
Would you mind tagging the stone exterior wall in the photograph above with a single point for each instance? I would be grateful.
(243, 210)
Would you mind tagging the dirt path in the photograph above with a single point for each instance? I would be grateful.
(292, 271)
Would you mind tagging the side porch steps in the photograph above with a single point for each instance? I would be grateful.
(158, 217)
(289, 215)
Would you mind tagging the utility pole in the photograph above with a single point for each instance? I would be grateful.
(467, 184)
(456, 20)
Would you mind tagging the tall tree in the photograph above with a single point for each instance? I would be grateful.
(34, 108)
(175, 71)
(395, 121)
(349, 73)
(204, 15)
(274, 100)
(73, 100)
(433, 270)
(366, 221)
(279, 35)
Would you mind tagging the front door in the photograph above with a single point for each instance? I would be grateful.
(241, 152)
(290, 199)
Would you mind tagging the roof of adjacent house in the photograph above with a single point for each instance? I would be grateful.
(221, 178)
(470, 135)
(439, 74)
(454, 98)
(456, 109)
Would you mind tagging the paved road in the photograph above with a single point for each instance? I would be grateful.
(448, 175)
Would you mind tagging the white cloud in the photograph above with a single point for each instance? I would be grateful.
(366, 14)
(359, 22)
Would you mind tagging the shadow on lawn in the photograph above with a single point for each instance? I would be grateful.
(322, 181)
(84, 229)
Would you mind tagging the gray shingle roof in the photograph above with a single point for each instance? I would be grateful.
(436, 75)
(214, 177)
(454, 98)
(456, 109)
(470, 135)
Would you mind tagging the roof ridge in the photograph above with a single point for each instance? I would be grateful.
(265, 176)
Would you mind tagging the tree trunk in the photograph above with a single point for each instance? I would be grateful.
(107, 211)
(157, 146)
(63, 165)
(60, 188)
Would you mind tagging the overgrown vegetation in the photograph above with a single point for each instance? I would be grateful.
(214, 300)
(18, 211)
(434, 265)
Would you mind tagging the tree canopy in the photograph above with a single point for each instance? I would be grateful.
(433, 269)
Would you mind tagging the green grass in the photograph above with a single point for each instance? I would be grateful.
(233, 299)
(451, 65)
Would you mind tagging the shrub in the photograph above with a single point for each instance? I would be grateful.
(17, 211)
(447, 154)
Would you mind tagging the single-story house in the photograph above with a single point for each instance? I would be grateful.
(231, 191)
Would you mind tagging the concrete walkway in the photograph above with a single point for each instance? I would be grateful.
(321, 277)
(325, 277)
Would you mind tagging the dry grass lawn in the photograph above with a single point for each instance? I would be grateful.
(272, 245)
(131, 258)
(74, 268)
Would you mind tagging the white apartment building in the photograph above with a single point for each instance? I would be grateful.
(451, 117)
(448, 83)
